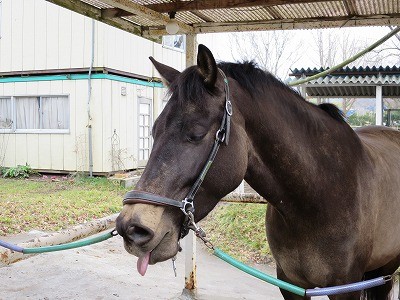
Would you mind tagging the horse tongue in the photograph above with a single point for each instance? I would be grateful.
(143, 263)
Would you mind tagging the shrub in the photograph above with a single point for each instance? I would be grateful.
(19, 171)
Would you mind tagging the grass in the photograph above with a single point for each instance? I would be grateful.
(239, 229)
(46, 204)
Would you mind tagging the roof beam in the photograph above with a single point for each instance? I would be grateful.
(218, 4)
(114, 13)
(146, 12)
(96, 13)
(313, 23)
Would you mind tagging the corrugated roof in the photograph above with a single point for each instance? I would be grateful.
(352, 82)
(148, 17)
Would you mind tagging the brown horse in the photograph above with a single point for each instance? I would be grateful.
(333, 192)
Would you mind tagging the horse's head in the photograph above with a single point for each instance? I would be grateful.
(184, 135)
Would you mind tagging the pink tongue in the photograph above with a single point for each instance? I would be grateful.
(143, 263)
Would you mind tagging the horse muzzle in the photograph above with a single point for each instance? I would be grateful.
(146, 229)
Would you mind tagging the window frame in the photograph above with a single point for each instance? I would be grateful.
(14, 128)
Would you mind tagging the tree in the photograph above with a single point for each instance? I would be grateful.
(274, 51)
(388, 53)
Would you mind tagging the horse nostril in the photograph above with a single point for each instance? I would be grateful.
(139, 235)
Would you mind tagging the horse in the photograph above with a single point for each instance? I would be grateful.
(333, 196)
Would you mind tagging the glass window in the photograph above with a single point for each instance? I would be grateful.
(55, 113)
(5, 113)
(27, 113)
(38, 113)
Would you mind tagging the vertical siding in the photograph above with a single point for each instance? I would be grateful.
(65, 42)
(6, 35)
(81, 133)
(40, 40)
(78, 52)
(39, 35)
(28, 36)
(69, 146)
(17, 34)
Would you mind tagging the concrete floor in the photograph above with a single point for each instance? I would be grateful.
(107, 271)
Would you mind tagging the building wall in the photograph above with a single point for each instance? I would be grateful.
(38, 35)
(113, 117)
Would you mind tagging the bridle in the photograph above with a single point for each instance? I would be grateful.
(187, 204)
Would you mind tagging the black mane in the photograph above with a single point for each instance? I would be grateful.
(189, 86)
(251, 77)
(333, 111)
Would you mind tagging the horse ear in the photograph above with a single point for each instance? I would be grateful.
(167, 73)
(207, 66)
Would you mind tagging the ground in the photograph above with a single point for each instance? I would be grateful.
(107, 271)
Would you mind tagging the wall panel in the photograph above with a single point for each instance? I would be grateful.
(52, 37)
(17, 35)
(40, 36)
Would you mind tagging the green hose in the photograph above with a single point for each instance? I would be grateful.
(71, 245)
(260, 275)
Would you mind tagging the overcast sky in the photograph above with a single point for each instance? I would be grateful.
(303, 42)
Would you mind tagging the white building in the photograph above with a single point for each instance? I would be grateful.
(48, 118)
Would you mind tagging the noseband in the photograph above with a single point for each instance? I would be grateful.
(187, 205)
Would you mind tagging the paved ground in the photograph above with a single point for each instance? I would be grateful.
(106, 271)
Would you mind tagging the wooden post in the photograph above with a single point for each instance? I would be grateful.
(379, 106)
(190, 239)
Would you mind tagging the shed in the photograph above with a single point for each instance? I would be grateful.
(67, 86)
(356, 82)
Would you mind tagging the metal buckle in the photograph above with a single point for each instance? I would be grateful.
(228, 108)
(219, 138)
(187, 206)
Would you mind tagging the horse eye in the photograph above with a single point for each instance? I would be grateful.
(195, 137)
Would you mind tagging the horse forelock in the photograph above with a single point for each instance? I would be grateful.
(189, 87)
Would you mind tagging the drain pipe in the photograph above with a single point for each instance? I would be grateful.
(89, 125)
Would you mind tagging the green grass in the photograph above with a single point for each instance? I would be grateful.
(239, 229)
(43, 204)
(52, 205)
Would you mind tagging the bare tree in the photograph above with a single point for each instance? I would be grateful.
(274, 51)
(333, 47)
(388, 53)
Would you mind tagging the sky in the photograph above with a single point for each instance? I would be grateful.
(303, 42)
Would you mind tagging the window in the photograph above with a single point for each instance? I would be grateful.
(5, 113)
(145, 113)
(174, 42)
(39, 114)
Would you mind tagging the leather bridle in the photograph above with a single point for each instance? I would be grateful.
(187, 204)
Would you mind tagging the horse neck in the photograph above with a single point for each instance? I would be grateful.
(297, 148)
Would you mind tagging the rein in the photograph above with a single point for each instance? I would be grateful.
(187, 204)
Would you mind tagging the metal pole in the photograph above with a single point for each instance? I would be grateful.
(190, 239)
(379, 106)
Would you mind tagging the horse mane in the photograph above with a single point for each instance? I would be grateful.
(253, 79)
(333, 111)
(247, 74)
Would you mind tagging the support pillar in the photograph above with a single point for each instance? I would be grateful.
(379, 106)
(190, 240)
